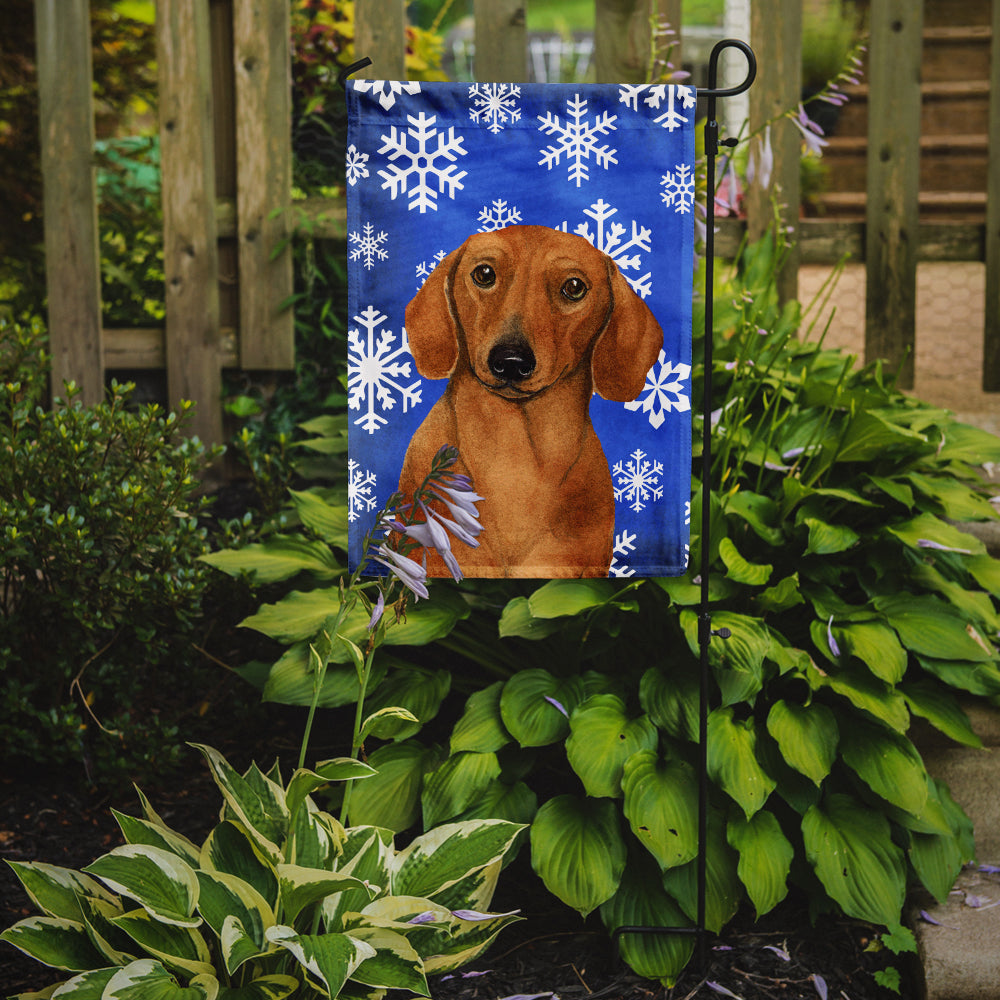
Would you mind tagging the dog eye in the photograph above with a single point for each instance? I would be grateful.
(484, 276)
(574, 289)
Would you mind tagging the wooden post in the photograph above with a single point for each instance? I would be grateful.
(72, 255)
(501, 41)
(776, 35)
(380, 34)
(991, 333)
(893, 183)
(190, 254)
(621, 40)
(262, 60)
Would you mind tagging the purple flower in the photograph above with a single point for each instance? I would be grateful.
(927, 543)
(427, 917)
(475, 915)
(761, 163)
(834, 648)
(412, 575)
(558, 705)
(811, 132)
(820, 983)
(377, 612)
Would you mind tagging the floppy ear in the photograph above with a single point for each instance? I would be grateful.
(431, 324)
(629, 344)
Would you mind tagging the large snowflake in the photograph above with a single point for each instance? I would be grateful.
(376, 371)
(678, 188)
(368, 246)
(665, 390)
(653, 96)
(494, 104)
(638, 480)
(499, 216)
(422, 163)
(360, 490)
(577, 138)
(624, 544)
(610, 238)
(386, 90)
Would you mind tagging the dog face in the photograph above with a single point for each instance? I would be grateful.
(523, 307)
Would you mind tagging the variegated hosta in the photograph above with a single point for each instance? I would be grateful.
(280, 899)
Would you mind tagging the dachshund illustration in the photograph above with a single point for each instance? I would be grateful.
(526, 323)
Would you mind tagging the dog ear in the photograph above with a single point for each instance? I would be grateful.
(431, 324)
(629, 344)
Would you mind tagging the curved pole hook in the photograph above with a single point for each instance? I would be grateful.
(349, 70)
(712, 91)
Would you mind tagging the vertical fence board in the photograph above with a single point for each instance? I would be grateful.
(776, 35)
(893, 183)
(72, 256)
(501, 41)
(380, 34)
(667, 14)
(262, 60)
(991, 333)
(190, 254)
(621, 40)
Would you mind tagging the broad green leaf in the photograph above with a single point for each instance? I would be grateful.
(391, 798)
(366, 855)
(671, 700)
(465, 941)
(180, 948)
(661, 799)
(783, 595)
(758, 511)
(986, 571)
(640, 901)
(866, 692)
(976, 678)
(535, 706)
(142, 831)
(850, 848)
(765, 858)
(976, 605)
(56, 891)
(274, 987)
(941, 709)
(238, 944)
(147, 979)
(932, 628)
(301, 887)
(888, 763)
(965, 443)
(559, 598)
(937, 858)
(732, 760)
(395, 964)
(279, 558)
(304, 782)
(928, 528)
(481, 728)
(739, 569)
(893, 488)
(517, 620)
(329, 959)
(98, 916)
(416, 689)
(163, 884)
(578, 851)
(870, 436)
(957, 501)
(385, 723)
(225, 897)
(54, 941)
(738, 661)
(516, 803)
(292, 681)
(230, 849)
(86, 986)
(327, 520)
(876, 646)
(683, 591)
(602, 737)
(456, 784)
(828, 539)
(807, 736)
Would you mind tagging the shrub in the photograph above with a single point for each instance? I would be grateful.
(99, 539)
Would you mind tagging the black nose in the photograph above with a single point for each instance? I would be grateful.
(511, 362)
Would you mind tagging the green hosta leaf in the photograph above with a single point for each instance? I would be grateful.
(931, 628)
(783, 595)
(888, 763)
(481, 728)
(141, 831)
(941, 709)
(765, 858)
(279, 558)
(578, 851)
(928, 528)
(865, 692)
(893, 488)
(301, 887)
(87, 986)
(230, 849)
(870, 436)
(180, 948)
(330, 959)
(535, 706)
(292, 680)
(56, 891)
(738, 661)
(828, 539)
(732, 760)
(395, 964)
(465, 941)
(602, 738)
(975, 605)
(387, 723)
(559, 598)
(850, 847)
(54, 941)
(304, 782)
(661, 798)
(367, 853)
(275, 987)
(438, 859)
(738, 569)
(807, 736)
(986, 572)
(976, 678)
(391, 798)
(226, 898)
(758, 511)
(517, 620)
(159, 881)
(327, 520)
(965, 443)
(516, 803)
(876, 646)
(671, 700)
(98, 916)
(683, 591)
(456, 784)
(957, 501)
(641, 901)
(937, 858)
(415, 689)
(147, 979)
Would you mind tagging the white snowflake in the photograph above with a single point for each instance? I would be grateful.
(577, 139)
(386, 90)
(609, 239)
(425, 267)
(678, 186)
(422, 162)
(624, 544)
(375, 370)
(665, 390)
(498, 216)
(494, 104)
(360, 490)
(653, 95)
(357, 165)
(638, 480)
(368, 246)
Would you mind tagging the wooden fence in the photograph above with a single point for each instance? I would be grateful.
(226, 161)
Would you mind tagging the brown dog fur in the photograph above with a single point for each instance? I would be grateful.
(528, 443)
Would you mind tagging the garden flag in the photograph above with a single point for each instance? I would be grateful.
(520, 269)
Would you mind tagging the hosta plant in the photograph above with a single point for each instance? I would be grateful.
(279, 900)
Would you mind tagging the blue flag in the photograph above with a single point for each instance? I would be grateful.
(520, 269)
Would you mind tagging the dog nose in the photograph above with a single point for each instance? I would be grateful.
(511, 362)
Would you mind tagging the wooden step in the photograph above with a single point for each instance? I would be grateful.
(957, 206)
(956, 53)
